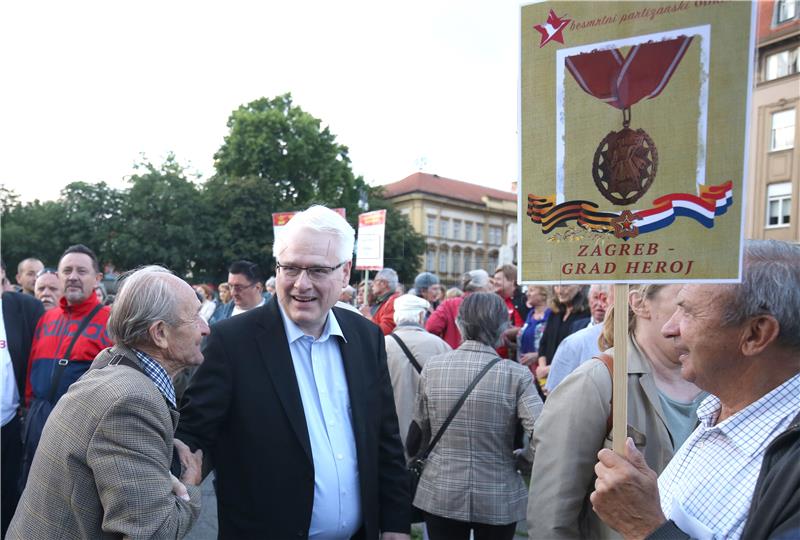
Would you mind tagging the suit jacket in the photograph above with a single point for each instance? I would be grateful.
(470, 474)
(243, 407)
(20, 315)
(570, 432)
(102, 466)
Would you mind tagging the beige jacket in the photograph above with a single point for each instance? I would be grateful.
(471, 475)
(570, 432)
(405, 378)
(102, 467)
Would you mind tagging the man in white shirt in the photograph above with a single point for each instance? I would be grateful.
(741, 343)
(581, 346)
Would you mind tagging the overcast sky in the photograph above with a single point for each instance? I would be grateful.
(411, 85)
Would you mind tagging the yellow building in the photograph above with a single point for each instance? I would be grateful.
(774, 165)
(464, 224)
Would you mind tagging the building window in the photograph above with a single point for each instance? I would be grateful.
(468, 261)
(430, 260)
(779, 202)
(443, 261)
(456, 266)
(492, 261)
(479, 232)
(783, 63)
(785, 10)
(495, 236)
(457, 229)
(782, 130)
(431, 225)
(468, 231)
(443, 226)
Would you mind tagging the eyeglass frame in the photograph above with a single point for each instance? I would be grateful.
(237, 288)
(46, 270)
(307, 269)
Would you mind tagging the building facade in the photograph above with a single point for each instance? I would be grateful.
(464, 225)
(774, 162)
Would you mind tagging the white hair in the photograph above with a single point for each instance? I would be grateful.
(319, 219)
(390, 277)
(408, 307)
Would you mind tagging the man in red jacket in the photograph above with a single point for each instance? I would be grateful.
(52, 366)
(383, 290)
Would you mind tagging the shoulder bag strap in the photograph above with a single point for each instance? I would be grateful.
(408, 352)
(457, 407)
(608, 361)
(58, 370)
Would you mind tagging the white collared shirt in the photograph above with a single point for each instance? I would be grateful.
(320, 374)
(8, 382)
(710, 480)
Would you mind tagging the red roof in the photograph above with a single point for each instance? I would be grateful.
(446, 187)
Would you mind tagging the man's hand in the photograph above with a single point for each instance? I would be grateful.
(395, 536)
(528, 358)
(510, 336)
(178, 488)
(626, 493)
(192, 464)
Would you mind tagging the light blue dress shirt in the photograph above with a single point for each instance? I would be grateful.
(323, 389)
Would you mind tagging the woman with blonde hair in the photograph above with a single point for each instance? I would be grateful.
(574, 424)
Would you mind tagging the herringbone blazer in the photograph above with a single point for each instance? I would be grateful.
(470, 475)
(102, 467)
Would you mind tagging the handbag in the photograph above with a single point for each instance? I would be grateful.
(417, 463)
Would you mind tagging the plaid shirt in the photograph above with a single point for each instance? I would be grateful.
(710, 481)
(158, 375)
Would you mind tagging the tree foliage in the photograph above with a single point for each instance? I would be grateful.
(275, 158)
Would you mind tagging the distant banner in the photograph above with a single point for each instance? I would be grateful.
(371, 235)
(280, 219)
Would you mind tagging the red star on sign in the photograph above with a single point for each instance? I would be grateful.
(551, 30)
(623, 225)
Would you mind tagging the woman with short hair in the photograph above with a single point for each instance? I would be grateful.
(470, 482)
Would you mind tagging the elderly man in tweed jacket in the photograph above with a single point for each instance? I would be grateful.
(102, 468)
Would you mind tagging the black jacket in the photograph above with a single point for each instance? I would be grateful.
(775, 508)
(243, 407)
(21, 313)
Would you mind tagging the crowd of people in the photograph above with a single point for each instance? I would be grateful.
(315, 398)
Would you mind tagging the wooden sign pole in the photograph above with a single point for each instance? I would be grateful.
(619, 401)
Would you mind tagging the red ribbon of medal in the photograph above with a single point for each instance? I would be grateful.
(623, 81)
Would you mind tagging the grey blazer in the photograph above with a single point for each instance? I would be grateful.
(102, 467)
(470, 475)
(570, 432)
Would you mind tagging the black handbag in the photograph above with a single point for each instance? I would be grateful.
(417, 463)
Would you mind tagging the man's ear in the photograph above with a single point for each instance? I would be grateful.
(158, 334)
(759, 333)
(348, 266)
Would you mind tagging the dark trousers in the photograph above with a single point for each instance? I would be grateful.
(11, 457)
(440, 528)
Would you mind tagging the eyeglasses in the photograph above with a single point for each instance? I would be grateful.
(46, 270)
(314, 273)
(239, 288)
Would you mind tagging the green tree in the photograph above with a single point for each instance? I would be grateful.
(29, 230)
(92, 215)
(279, 158)
(163, 220)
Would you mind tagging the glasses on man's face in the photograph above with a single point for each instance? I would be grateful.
(239, 288)
(314, 273)
(46, 270)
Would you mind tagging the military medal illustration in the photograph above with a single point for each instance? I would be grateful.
(626, 161)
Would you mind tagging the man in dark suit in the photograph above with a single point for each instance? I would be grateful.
(294, 404)
(20, 313)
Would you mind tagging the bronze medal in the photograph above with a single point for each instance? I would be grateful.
(625, 163)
